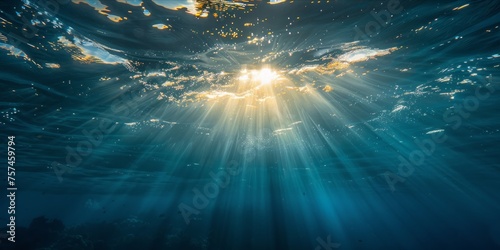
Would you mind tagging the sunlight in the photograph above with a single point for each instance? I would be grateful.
(263, 76)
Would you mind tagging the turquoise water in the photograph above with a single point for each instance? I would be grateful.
(248, 125)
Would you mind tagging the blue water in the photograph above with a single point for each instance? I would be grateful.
(247, 125)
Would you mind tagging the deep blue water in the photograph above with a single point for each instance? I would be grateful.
(249, 125)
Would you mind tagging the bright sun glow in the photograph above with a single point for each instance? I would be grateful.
(263, 76)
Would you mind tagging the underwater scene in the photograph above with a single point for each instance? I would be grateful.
(249, 124)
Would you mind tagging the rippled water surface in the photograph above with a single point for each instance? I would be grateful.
(190, 124)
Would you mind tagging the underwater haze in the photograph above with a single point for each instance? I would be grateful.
(273, 124)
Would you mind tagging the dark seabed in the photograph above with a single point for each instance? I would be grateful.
(210, 124)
